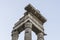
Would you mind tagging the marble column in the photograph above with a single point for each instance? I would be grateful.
(40, 36)
(28, 27)
(15, 35)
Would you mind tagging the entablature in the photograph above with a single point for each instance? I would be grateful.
(30, 18)
(35, 12)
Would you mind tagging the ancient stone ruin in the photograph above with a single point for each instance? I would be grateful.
(31, 21)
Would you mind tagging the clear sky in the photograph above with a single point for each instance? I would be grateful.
(12, 10)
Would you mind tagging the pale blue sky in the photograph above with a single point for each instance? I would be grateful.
(12, 10)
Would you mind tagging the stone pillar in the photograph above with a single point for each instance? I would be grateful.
(40, 36)
(28, 27)
(15, 35)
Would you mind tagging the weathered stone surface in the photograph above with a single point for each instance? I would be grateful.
(31, 21)
(28, 29)
(15, 35)
(40, 36)
(35, 12)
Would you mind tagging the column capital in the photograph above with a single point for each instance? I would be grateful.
(28, 25)
(15, 32)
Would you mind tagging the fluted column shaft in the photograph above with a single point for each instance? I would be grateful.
(28, 27)
(15, 35)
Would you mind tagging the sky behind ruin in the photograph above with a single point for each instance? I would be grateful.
(12, 10)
